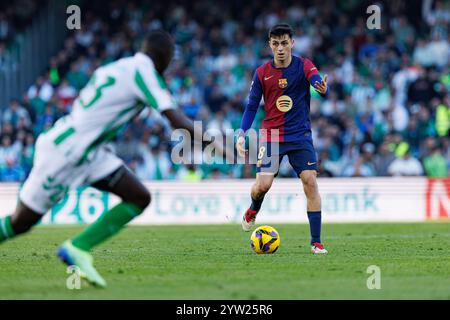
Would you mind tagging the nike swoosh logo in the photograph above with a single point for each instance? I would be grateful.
(267, 78)
(311, 163)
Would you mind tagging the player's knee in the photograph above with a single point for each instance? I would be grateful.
(21, 228)
(140, 197)
(310, 184)
(24, 219)
(144, 199)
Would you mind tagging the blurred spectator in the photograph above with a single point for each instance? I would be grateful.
(363, 166)
(10, 168)
(28, 153)
(435, 164)
(219, 123)
(9, 152)
(45, 120)
(14, 113)
(405, 165)
(388, 89)
(42, 89)
(5, 28)
(443, 119)
(422, 89)
(3, 58)
(126, 147)
(76, 77)
(446, 148)
(158, 164)
(12, 172)
(189, 173)
(383, 160)
(66, 93)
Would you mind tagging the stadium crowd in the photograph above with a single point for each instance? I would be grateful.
(387, 114)
(14, 18)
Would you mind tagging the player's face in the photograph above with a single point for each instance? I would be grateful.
(281, 47)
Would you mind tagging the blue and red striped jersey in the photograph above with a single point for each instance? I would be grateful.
(286, 99)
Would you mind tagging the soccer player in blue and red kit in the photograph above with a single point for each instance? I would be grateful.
(284, 82)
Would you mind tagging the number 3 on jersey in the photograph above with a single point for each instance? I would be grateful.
(109, 81)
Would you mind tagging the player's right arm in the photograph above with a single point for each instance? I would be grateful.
(250, 112)
(178, 120)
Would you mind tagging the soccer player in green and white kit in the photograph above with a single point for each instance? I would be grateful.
(73, 152)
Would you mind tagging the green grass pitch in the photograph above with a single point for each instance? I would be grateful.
(216, 262)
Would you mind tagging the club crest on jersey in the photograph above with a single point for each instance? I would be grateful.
(282, 83)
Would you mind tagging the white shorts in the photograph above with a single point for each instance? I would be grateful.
(53, 175)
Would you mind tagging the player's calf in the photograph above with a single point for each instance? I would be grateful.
(249, 218)
(311, 189)
(259, 190)
(110, 223)
(135, 198)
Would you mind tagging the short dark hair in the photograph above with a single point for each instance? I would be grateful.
(281, 29)
(160, 46)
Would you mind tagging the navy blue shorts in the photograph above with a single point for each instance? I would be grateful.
(301, 154)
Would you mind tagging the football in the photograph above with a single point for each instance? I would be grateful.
(265, 239)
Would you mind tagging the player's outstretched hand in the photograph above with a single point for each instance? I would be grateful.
(321, 87)
(240, 146)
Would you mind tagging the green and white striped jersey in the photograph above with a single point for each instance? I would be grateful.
(114, 95)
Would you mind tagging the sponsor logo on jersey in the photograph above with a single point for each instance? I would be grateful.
(284, 103)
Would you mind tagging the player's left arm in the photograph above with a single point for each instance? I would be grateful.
(314, 78)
